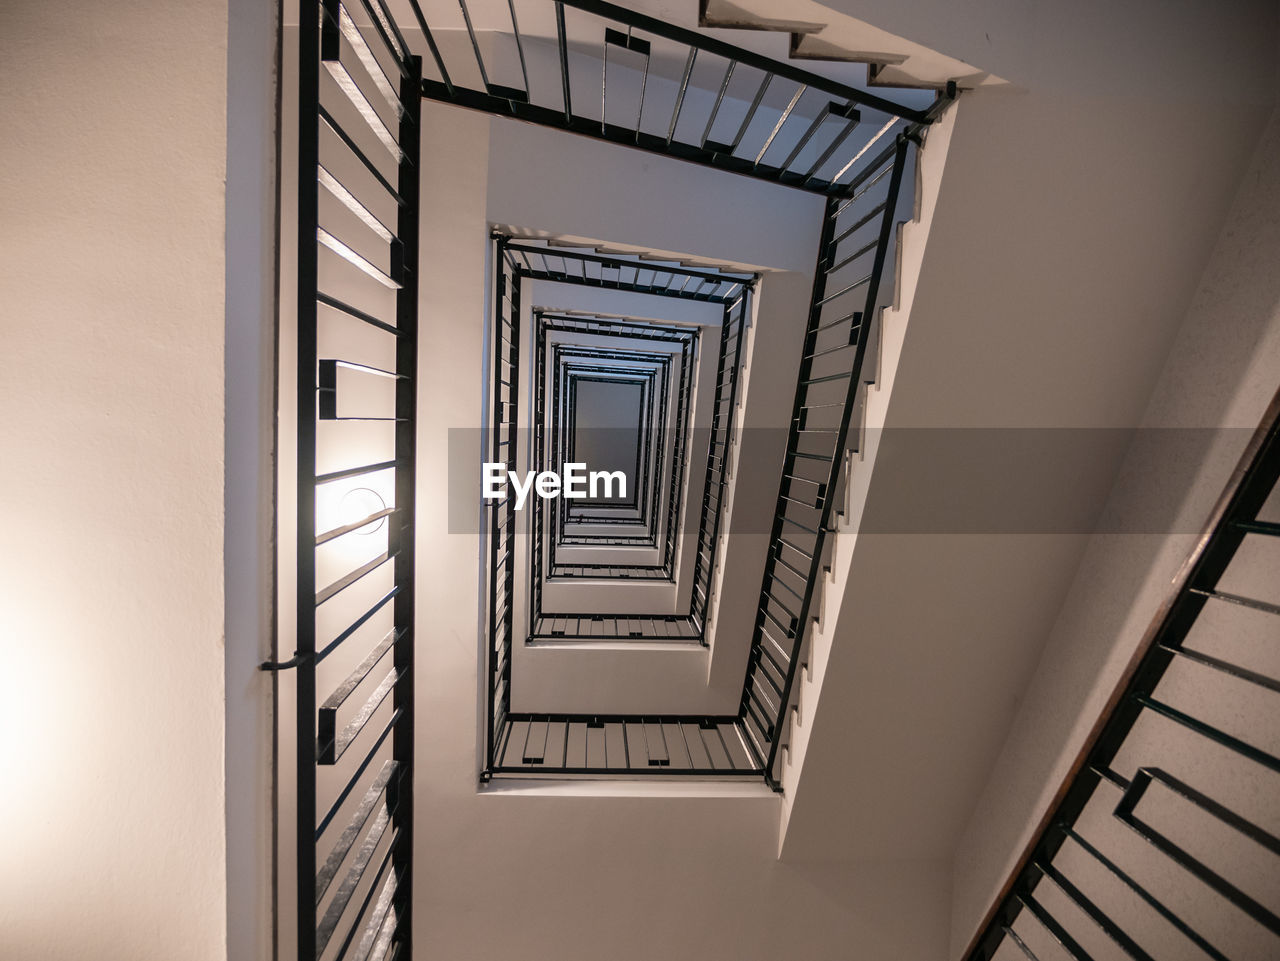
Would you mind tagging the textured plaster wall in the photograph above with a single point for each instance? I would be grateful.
(111, 384)
(1071, 227)
(1222, 371)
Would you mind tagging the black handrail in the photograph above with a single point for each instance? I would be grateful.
(1094, 774)
(817, 138)
(779, 68)
(830, 383)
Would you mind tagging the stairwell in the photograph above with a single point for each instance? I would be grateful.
(708, 818)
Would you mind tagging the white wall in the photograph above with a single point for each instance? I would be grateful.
(249, 562)
(1222, 372)
(112, 170)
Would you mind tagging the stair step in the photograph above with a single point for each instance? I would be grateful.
(718, 14)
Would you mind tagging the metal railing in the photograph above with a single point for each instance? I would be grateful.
(504, 429)
(689, 626)
(568, 744)
(518, 261)
(650, 440)
(352, 830)
(603, 71)
(1161, 841)
(766, 119)
(687, 338)
(856, 235)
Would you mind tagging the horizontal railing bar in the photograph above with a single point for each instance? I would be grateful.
(1056, 930)
(829, 350)
(759, 746)
(372, 67)
(1094, 913)
(360, 262)
(782, 119)
(351, 881)
(1211, 807)
(856, 316)
(843, 375)
(621, 263)
(784, 656)
(355, 312)
(382, 925)
(355, 776)
(794, 570)
(794, 478)
(1156, 905)
(788, 71)
(683, 88)
(850, 125)
(359, 154)
(331, 751)
(787, 629)
(362, 670)
(386, 27)
(354, 525)
(1249, 602)
(613, 133)
(1022, 945)
(1260, 527)
(1189, 863)
(822, 406)
(819, 119)
(861, 251)
(800, 503)
(475, 45)
(368, 113)
(365, 368)
(328, 420)
(358, 471)
(1226, 667)
(612, 770)
(773, 662)
(342, 583)
(352, 203)
(787, 544)
(357, 624)
(341, 847)
(862, 221)
(431, 41)
(795, 523)
(844, 290)
(1212, 733)
(386, 868)
(868, 168)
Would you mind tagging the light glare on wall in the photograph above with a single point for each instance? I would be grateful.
(358, 503)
